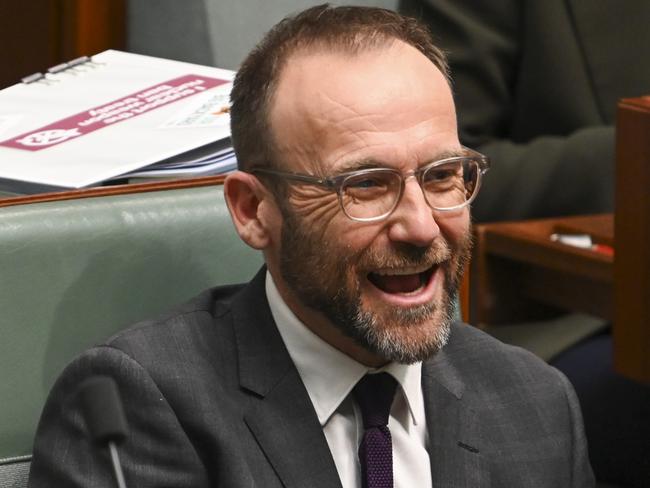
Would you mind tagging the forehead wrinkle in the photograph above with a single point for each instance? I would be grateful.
(364, 134)
(367, 117)
(320, 125)
(422, 128)
(346, 119)
(336, 104)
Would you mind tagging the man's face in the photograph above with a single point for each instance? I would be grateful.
(388, 285)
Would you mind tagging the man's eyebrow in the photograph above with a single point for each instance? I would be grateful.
(370, 163)
(360, 164)
(452, 153)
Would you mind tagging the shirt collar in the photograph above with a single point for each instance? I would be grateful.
(328, 374)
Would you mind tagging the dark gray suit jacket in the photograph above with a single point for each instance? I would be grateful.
(213, 399)
(536, 85)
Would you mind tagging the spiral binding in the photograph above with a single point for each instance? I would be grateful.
(73, 67)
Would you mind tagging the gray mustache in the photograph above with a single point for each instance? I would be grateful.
(406, 255)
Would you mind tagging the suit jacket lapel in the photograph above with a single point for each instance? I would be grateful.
(279, 413)
(454, 437)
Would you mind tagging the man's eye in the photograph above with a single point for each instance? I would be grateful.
(366, 183)
(441, 174)
(368, 187)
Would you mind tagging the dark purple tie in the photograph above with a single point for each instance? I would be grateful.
(374, 394)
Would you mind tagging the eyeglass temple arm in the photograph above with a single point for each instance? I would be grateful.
(296, 177)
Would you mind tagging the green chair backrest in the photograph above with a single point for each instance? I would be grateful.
(73, 272)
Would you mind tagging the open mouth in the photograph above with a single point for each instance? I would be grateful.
(401, 281)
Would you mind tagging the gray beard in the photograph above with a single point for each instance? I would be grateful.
(303, 257)
(363, 327)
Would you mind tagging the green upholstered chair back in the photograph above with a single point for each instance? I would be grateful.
(73, 272)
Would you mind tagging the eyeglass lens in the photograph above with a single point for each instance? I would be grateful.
(374, 194)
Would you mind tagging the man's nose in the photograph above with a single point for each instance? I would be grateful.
(412, 221)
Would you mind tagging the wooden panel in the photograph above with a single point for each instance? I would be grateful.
(632, 230)
(29, 36)
(38, 34)
(93, 26)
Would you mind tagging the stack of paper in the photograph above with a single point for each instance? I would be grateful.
(117, 115)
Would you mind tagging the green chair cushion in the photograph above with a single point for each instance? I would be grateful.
(73, 272)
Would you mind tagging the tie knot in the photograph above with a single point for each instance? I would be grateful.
(374, 393)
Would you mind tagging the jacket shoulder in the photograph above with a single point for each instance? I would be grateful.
(487, 364)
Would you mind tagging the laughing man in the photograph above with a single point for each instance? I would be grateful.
(340, 364)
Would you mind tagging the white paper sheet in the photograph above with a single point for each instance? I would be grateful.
(135, 101)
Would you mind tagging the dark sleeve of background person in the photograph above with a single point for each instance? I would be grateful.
(536, 86)
(616, 413)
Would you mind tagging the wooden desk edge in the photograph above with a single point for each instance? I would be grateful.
(528, 241)
(640, 103)
(113, 190)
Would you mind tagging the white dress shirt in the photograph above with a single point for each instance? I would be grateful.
(330, 375)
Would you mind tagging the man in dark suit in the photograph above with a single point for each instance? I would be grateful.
(340, 363)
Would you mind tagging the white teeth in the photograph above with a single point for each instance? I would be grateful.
(401, 271)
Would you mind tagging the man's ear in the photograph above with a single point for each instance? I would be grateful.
(244, 194)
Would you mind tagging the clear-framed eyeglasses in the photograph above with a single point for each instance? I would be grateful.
(372, 194)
